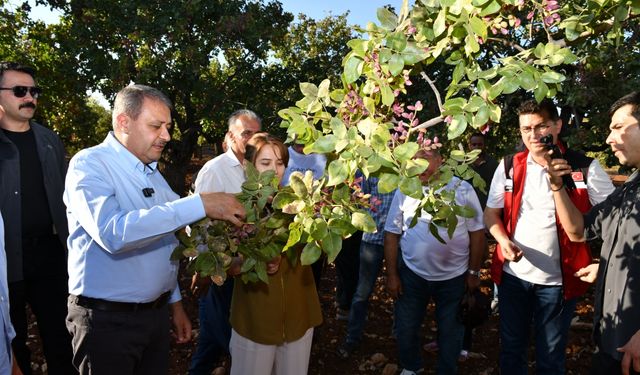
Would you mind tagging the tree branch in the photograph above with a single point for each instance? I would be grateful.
(429, 123)
(507, 43)
(435, 90)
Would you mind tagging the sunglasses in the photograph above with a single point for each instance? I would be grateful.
(21, 91)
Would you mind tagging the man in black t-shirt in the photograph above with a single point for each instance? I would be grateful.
(32, 172)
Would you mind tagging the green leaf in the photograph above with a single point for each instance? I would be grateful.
(366, 127)
(413, 54)
(337, 95)
(411, 186)
(338, 128)
(310, 253)
(396, 64)
(293, 207)
(283, 198)
(471, 45)
(396, 42)
(387, 94)
(318, 229)
(474, 103)
(363, 221)
(452, 223)
(439, 24)
(509, 84)
(541, 91)
(309, 90)
(552, 77)
(359, 46)
(416, 166)
(323, 89)
(495, 112)
(337, 172)
(325, 144)
(456, 127)
(479, 27)
(464, 211)
(388, 182)
(252, 176)
(434, 232)
(331, 245)
(405, 151)
(527, 81)
(352, 69)
(481, 117)
(298, 186)
(341, 194)
(387, 19)
(491, 8)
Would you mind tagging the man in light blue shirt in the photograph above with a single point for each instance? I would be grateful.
(7, 363)
(122, 217)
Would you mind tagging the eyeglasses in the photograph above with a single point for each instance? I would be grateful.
(21, 91)
(541, 128)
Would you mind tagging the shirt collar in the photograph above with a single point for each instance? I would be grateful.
(232, 156)
(127, 158)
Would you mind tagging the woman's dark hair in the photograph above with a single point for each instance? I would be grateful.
(261, 139)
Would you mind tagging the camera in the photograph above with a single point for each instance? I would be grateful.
(547, 140)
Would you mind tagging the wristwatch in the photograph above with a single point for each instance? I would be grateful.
(474, 273)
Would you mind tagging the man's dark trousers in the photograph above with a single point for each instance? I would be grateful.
(45, 289)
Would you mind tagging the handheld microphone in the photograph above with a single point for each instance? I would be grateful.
(148, 192)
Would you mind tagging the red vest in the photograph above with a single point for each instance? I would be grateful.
(573, 255)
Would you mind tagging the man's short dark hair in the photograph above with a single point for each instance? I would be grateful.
(632, 99)
(9, 65)
(545, 108)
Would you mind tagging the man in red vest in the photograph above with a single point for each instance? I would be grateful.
(535, 262)
(616, 221)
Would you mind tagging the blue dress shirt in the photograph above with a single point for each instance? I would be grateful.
(7, 328)
(120, 240)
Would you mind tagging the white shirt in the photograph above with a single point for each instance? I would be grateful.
(536, 232)
(222, 174)
(302, 163)
(421, 251)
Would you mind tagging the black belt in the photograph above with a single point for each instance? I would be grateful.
(104, 305)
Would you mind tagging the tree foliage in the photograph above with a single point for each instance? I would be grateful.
(495, 48)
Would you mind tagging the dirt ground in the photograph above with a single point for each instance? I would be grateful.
(378, 349)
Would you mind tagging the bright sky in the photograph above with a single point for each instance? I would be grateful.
(360, 11)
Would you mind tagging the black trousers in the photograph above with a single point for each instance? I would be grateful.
(119, 343)
(347, 269)
(47, 297)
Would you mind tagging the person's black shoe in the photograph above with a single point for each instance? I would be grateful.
(346, 350)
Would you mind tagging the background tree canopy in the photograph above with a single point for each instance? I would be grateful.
(213, 57)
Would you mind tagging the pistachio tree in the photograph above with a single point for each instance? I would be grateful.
(366, 125)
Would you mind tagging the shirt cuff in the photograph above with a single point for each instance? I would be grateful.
(175, 295)
(189, 209)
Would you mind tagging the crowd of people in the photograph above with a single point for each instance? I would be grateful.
(86, 245)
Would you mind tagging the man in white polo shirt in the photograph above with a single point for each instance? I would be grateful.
(224, 173)
(429, 269)
(535, 262)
